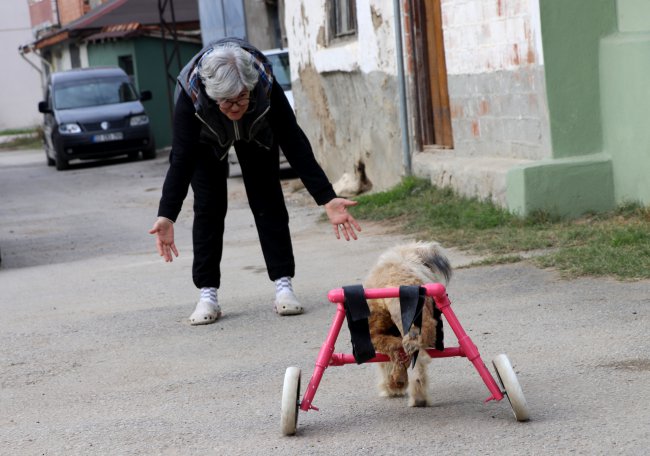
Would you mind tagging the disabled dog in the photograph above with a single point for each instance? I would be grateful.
(413, 263)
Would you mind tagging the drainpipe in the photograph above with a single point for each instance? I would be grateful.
(401, 86)
(22, 52)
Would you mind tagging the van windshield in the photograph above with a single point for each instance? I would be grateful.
(93, 92)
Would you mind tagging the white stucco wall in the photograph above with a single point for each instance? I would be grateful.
(20, 84)
(345, 90)
(373, 50)
(62, 59)
(496, 88)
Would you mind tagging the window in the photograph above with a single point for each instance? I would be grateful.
(343, 18)
(126, 63)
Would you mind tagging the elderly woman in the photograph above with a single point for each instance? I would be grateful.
(227, 96)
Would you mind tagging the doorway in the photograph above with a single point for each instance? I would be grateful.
(433, 114)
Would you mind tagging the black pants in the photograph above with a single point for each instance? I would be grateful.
(261, 175)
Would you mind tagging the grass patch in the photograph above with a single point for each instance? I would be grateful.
(17, 131)
(614, 244)
(25, 139)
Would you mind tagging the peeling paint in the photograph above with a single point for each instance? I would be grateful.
(515, 57)
(321, 39)
(457, 111)
(476, 131)
(313, 89)
(377, 20)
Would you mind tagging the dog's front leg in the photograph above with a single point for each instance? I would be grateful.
(394, 376)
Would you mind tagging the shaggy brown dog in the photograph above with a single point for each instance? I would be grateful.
(415, 263)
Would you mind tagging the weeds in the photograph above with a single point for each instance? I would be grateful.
(613, 244)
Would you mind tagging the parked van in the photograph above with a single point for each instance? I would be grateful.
(94, 113)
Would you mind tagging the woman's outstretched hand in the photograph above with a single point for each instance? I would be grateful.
(163, 229)
(341, 220)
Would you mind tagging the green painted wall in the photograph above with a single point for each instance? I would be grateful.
(149, 73)
(106, 54)
(599, 106)
(633, 15)
(150, 66)
(571, 32)
(566, 187)
(625, 76)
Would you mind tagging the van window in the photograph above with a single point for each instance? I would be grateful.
(281, 69)
(92, 92)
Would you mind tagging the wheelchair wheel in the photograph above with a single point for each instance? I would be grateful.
(290, 403)
(510, 384)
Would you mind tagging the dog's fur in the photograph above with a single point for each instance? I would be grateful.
(414, 263)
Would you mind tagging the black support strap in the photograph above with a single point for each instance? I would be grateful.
(357, 313)
(440, 335)
(411, 299)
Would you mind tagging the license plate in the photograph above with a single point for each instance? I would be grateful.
(108, 137)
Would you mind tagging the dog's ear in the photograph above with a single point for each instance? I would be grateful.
(433, 258)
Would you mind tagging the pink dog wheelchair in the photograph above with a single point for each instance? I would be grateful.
(508, 385)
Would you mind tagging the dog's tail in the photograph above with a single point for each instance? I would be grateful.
(434, 258)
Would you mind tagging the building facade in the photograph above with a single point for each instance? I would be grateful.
(533, 104)
(20, 87)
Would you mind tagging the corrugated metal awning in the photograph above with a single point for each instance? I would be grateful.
(120, 13)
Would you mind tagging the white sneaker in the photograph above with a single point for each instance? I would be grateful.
(206, 312)
(286, 303)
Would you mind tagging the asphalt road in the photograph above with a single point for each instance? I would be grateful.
(97, 358)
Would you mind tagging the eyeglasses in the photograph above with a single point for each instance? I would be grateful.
(227, 104)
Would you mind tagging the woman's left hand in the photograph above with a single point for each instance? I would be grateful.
(341, 220)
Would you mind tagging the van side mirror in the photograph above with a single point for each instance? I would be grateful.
(145, 95)
(43, 107)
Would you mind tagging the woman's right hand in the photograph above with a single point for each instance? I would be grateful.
(163, 229)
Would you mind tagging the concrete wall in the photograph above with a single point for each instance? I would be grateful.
(262, 24)
(20, 84)
(496, 79)
(346, 92)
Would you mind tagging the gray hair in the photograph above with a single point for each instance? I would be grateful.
(226, 71)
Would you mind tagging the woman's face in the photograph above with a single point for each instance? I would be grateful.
(235, 108)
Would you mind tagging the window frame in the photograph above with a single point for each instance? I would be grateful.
(342, 20)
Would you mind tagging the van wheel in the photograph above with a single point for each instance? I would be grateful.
(50, 161)
(150, 152)
(61, 163)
